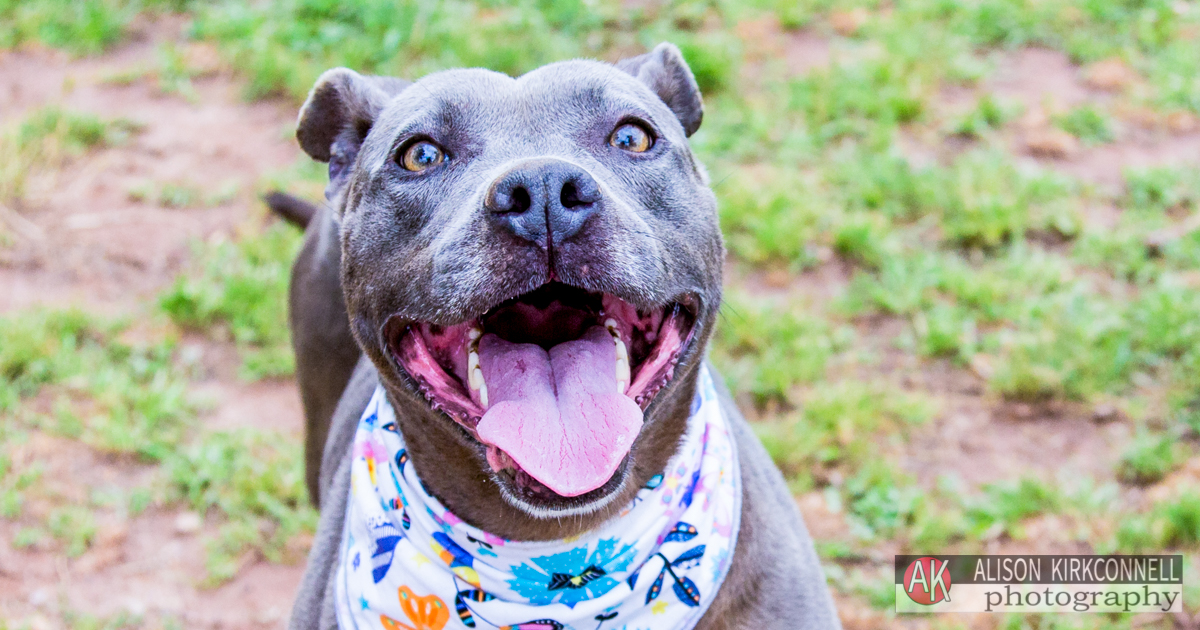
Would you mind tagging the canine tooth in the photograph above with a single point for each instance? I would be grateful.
(622, 351)
(482, 392)
(622, 386)
(475, 377)
(472, 360)
(622, 370)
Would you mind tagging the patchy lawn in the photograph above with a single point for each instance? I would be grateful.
(964, 277)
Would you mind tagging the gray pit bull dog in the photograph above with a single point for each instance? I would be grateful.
(530, 211)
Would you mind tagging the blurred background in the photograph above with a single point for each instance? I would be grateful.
(964, 254)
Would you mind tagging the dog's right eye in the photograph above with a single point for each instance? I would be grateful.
(631, 137)
(421, 155)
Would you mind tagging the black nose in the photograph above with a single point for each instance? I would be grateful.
(544, 202)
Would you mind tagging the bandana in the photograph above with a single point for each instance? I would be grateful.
(407, 562)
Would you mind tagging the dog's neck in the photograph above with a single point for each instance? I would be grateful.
(450, 464)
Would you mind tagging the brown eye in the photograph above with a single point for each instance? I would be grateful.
(421, 155)
(632, 138)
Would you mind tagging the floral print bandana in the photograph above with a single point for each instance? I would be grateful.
(406, 562)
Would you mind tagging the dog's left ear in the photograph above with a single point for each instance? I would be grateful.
(665, 72)
(337, 116)
(342, 106)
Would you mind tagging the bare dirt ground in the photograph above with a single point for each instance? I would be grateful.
(108, 253)
(100, 249)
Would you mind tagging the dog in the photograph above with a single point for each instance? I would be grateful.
(485, 235)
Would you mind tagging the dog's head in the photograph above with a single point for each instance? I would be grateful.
(533, 264)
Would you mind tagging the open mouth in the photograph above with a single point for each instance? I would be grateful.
(553, 383)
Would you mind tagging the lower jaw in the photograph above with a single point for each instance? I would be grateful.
(529, 495)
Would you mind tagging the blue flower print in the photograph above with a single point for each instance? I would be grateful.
(572, 576)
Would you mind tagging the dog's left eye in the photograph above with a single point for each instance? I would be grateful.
(421, 155)
(631, 137)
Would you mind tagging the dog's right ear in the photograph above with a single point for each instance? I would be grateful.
(664, 71)
(341, 109)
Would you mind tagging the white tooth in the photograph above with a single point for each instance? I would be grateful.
(472, 360)
(622, 352)
(475, 378)
(623, 370)
(474, 334)
(621, 386)
(610, 324)
(482, 392)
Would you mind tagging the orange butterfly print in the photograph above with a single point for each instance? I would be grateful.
(428, 613)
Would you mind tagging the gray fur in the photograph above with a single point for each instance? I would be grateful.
(320, 328)
(422, 247)
(665, 72)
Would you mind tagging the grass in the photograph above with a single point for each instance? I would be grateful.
(131, 399)
(45, 139)
(839, 426)
(988, 115)
(1087, 123)
(768, 350)
(239, 291)
(1148, 459)
(980, 260)
(121, 397)
(1003, 506)
(257, 481)
(181, 194)
(1171, 524)
(90, 26)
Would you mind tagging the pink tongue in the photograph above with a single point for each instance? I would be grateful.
(558, 415)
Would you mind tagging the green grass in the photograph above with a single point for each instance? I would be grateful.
(987, 116)
(770, 217)
(1003, 506)
(1172, 524)
(239, 291)
(1163, 188)
(90, 26)
(283, 46)
(45, 139)
(132, 399)
(1149, 458)
(74, 526)
(181, 194)
(839, 425)
(125, 398)
(768, 350)
(1087, 123)
(256, 480)
(979, 259)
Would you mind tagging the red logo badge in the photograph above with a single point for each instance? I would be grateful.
(927, 581)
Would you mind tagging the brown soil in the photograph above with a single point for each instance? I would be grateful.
(976, 438)
(101, 249)
(98, 248)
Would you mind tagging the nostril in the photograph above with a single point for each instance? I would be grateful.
(509, 202)
(520, 200)
(570, 197)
